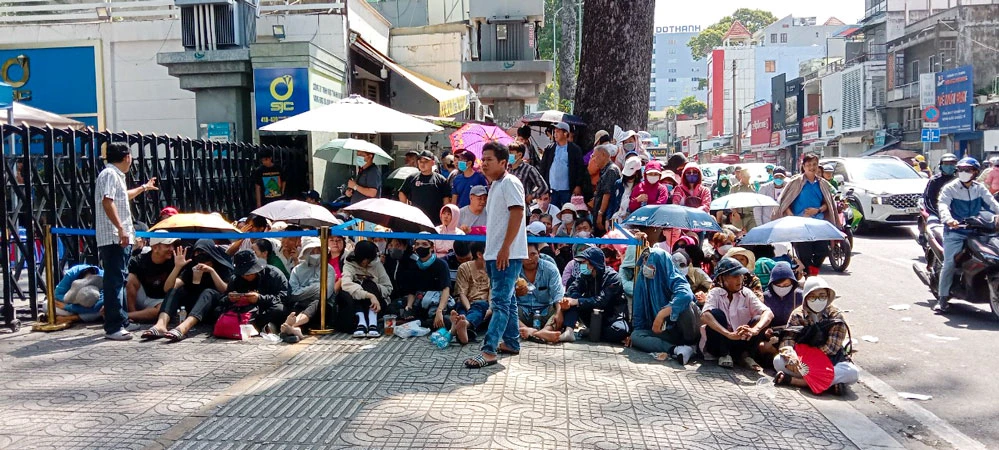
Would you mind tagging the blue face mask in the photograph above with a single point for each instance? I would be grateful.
(359, 161)
(512, 159)
(669, 187)
(778, 181)
(948, 169)
(584, 269)
(462, 166)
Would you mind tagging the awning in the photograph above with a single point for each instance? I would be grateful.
(848, 31)
(851, 139)
(888, 145)
(452, 101)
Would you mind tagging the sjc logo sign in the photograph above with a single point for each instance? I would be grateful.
(280, 93)
(15, 72)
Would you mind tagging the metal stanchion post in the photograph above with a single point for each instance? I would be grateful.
(49, 287)
(324, 235)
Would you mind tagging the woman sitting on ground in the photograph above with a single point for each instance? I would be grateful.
(782, 296)
(368, 286)
(266, 249)
(194, 285)
(304, 282)
(449, 225)
(819, 324)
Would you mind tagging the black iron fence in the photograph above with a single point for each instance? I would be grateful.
(48, 179)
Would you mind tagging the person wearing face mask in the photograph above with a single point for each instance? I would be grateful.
(716, 247)
(529, 176)
(631, 145)
(772, 189)
(734, 317)
(651, 191)
(931, 195)
(466, 177)
(597, 287)
(722, 185)
(303, 299)
(400, 266)
(782, 296)
(819, 324)
(631, 175)
(430, 283)
(368, 287)
(368, 183)
(961, 199)
(700, 282)
(567, 217)
(691, 192)
(665, 316)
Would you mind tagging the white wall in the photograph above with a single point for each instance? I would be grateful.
(325, 31)
(364, 19)
(433, 55)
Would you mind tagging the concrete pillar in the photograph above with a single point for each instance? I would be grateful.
(222, 81)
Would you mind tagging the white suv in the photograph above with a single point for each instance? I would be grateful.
(889, 190)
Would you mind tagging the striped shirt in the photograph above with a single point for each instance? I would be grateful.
(111, 184)
(534, 183)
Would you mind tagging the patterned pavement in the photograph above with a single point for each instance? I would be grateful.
(73, 389)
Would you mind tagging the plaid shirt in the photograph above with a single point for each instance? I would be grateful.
(111, 184)
(837, 333)
(534, 183)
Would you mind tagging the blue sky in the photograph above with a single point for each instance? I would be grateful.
(707, 12)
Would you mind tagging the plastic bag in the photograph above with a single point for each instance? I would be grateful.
(410, 329)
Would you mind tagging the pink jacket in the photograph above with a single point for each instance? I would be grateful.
(658, 194)
(696, 195)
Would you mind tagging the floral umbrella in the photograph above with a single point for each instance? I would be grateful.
(472, 136)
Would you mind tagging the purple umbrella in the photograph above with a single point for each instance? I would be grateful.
(392, 214)
(472, 136)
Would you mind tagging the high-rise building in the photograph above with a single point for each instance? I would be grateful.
(675, 72)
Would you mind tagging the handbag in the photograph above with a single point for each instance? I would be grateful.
(228, 325)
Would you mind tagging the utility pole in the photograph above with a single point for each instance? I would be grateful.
(736, 141)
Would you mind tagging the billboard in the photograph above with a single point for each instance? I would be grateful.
(759, 126)
(777, 93)
(793, 109)
(954, 98)
(66, 80)
(810, 128)
(280, 93)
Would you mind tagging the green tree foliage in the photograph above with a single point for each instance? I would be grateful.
(690, 105)
(753, 19)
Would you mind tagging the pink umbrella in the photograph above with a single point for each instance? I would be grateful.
(392, 214)
(472, 136)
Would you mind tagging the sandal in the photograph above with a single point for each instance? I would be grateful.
(175, 335)
(152, 333)
(782, 379)
(837, 389)
(502, 348)
(725, 361)
(478, 362)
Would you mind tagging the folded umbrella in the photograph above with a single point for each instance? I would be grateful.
(815, 367)
(672, 216)
(472, 136)
(742, 200)
(194, 222)
(344, 151)
(392, 214)
(297, 211)
(792, 229)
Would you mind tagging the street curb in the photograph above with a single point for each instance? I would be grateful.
(935, 424)
(856, 426)
(176, 432)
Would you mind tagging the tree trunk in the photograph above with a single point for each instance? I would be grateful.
(616, 65)
(567, 50)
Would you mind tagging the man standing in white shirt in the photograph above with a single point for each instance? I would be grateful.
(506, 248)
(115, 236)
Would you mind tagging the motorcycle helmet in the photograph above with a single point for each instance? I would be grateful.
(969, 162)
(948, 157)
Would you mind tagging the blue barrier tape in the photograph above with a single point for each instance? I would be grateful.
(368, 234)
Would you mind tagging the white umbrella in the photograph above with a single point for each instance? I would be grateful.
(343, 151)
(354, 114)
(26, 115)
(742, 200)
(297, 211)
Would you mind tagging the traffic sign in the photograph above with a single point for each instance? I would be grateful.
(931, 114)
(931, 124)
(930, 135)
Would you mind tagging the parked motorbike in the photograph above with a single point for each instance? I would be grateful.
(840, 251)
(976, 276)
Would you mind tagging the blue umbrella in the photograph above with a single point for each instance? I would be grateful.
(672, 216)
(792, 229)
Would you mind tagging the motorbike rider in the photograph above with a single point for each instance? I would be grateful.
(931, 195)
(960, 199)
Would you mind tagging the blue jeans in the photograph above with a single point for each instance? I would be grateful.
(504, 323)
(114, 259)
(953, 243)
(476, 314)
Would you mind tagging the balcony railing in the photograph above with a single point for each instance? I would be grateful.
(904, 92)
(876, 9)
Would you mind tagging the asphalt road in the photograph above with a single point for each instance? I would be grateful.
(953, 357)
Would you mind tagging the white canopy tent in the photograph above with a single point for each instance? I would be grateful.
(26, 115)
(354, 114)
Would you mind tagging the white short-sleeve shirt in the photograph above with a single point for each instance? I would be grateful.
(504, 193)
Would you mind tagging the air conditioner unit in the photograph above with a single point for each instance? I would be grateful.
(217, 24)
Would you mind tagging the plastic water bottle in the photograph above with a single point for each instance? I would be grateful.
(182, 314)
(441, 338)
(537, 320)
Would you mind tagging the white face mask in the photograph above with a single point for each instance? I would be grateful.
(817, 305)
(653, 178)
(649, 271)
(724, 249)
(312, 260)
(964, 177)
(782, 291)
(583, 234)
(567, 217)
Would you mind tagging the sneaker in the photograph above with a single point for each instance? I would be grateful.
(942, 306)
(120, 335)
(132, 326)
(726, 361)
(683, 353)
(361, 331)
(569, 335)
(373, 331)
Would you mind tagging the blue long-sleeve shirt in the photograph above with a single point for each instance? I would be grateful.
(66, 282)
(548, 287)
(668, 287)
(959, 202)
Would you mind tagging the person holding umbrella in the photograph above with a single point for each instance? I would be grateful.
(368, 183)
(820, 324)
(808, 195)
(506, 248)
